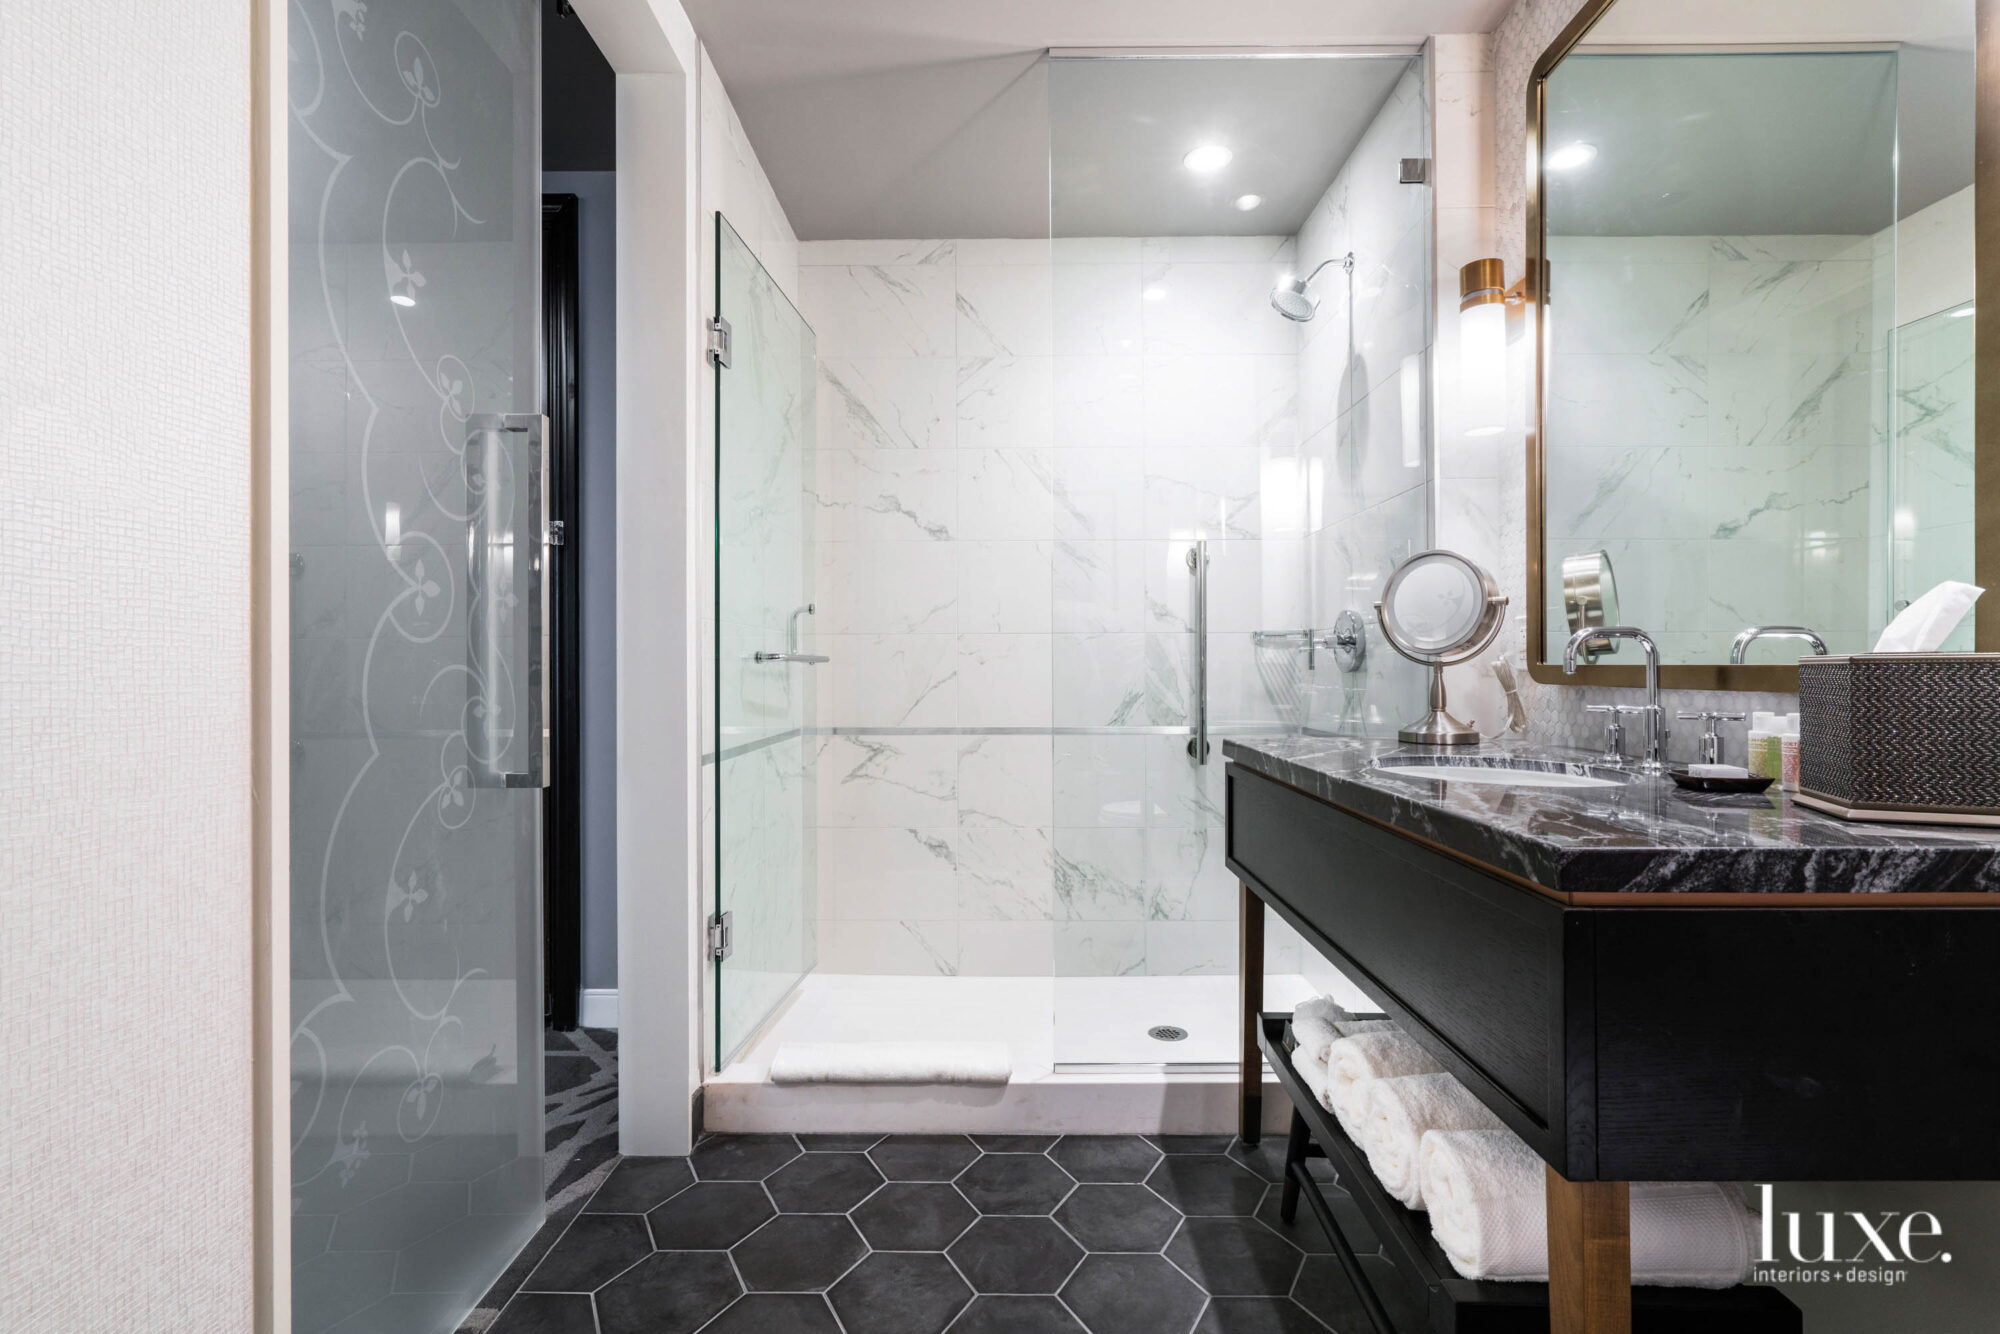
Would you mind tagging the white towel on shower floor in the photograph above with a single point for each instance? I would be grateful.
(1359, 1060)
(892, 1063)
(1400, 1111)
(1488, 1199)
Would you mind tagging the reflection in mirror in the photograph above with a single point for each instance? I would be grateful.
(1758, 374)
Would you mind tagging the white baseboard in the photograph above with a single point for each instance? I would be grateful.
(597, 1007)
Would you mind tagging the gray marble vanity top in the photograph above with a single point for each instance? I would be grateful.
(1644, 836)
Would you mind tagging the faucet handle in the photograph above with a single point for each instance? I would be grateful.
(1706, 716)
(1711, 740)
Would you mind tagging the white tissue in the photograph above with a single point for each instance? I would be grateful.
(1927, 622)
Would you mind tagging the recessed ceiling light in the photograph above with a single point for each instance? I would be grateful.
(1207, 158)
(1244, 203)
(1155, 293)
(1571, 156)
(402, 298)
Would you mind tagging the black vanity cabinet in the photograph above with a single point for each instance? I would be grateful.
(1768, 1033)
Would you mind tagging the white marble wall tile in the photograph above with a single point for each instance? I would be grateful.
(1618, 307)
(1100, 949)
(881, 311)
(1004, 681)
(1464, 134)
(1157, 250)
(1186, 877)
(1007, 949)
(907, 948)
(890, 680)
(1214, 492)
(1004, 310)
(1005, 587)
(874, 588)
(1100, 494)
(1790, 306)
(985, 251)
(1100, 402)
(878, 254)
(1005, 781)
(1006, 875)
(1101, 586)
(1221, 400)
(886, 495)
(1215, 309)
(1639, 492)
(887, 403)
(1100, 781)
(1006, 402)
(888, 782)
(1181, 794)
(1630, 399)
(1097, 309)
(1788, 399)
(1100, 875)
(1006, 493)
(1188, 949)
(1096, 249)
(888, 874)
(1120, 680)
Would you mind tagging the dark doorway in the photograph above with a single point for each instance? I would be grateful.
(562, 880)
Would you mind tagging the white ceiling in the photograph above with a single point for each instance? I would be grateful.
(927, 118)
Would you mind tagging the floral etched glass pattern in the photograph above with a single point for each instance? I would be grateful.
(414, 242)
(764, 840)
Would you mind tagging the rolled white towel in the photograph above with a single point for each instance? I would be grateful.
(1313, 1073)
(1365, 1057)
(1400, 1111)
(1320, 1022)
(1488, 1198)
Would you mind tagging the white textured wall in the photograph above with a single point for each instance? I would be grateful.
(125, 903)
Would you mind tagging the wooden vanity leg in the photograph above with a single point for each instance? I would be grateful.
(1250, 967)
(1590, 1256)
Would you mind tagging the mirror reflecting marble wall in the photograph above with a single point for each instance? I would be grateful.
(1757, 396)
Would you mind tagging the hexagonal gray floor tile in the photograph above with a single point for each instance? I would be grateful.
(595, 1250)
(1235, 1257)
(913, 1216)
(1022, 1256)
(669, 1292)
(741, 1157)
(923, 1157)
(1118, 1218)
(900, 1294)
(1262, 1315)
(546, 1313)
(776, 1313)
(1105, 1157)
(823, 1183)
(1015, 1183)
(798, 1253)
(1132, 1294)
(1207, 1185)
(710, 1216)
(1016, 1315)
(639, 1184)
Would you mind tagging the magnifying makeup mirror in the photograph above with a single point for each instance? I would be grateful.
(1590, 599)
(1439, 609)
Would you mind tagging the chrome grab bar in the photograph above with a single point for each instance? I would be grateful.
(810, 658)
(503, 513)
(1197, 563)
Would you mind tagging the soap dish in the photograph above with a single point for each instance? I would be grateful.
(1752, 783)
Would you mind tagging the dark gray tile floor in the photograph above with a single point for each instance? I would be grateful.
(922, 1234)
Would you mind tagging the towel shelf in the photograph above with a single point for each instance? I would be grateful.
(1448, 1303)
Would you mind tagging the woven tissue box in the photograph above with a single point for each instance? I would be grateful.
(1901, 736)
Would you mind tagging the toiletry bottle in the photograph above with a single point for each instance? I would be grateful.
(1762, 758)
(1788, 754)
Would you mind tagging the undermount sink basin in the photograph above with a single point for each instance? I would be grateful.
(1494, 772)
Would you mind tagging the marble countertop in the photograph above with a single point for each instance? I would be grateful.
(1645, 836)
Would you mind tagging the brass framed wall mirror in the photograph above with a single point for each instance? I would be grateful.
(1750, 238)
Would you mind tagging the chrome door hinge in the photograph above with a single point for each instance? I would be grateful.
(556, 532)
(1416, 171)
(718, 342)
(722, 935)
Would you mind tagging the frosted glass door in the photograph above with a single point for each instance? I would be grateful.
(416, 657)
(765, 673)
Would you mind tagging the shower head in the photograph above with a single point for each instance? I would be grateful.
(1294, 298)
(1293, 301)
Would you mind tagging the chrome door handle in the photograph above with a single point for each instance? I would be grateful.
(811, 659)
(503, 545)
(1197, 563)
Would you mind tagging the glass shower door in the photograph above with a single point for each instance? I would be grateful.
(764, 929)
(417, 657)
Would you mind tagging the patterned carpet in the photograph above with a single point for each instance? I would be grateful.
(581, 1146)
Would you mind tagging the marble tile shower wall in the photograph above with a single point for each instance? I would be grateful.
(1716, 428)
(1017, 443)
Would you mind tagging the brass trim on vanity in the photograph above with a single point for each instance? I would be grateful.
(1986, 403)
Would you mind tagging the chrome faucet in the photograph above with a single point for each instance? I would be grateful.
(1741, 646)
(1655, 760)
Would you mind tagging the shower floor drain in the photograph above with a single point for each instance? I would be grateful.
(1167, 1033)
